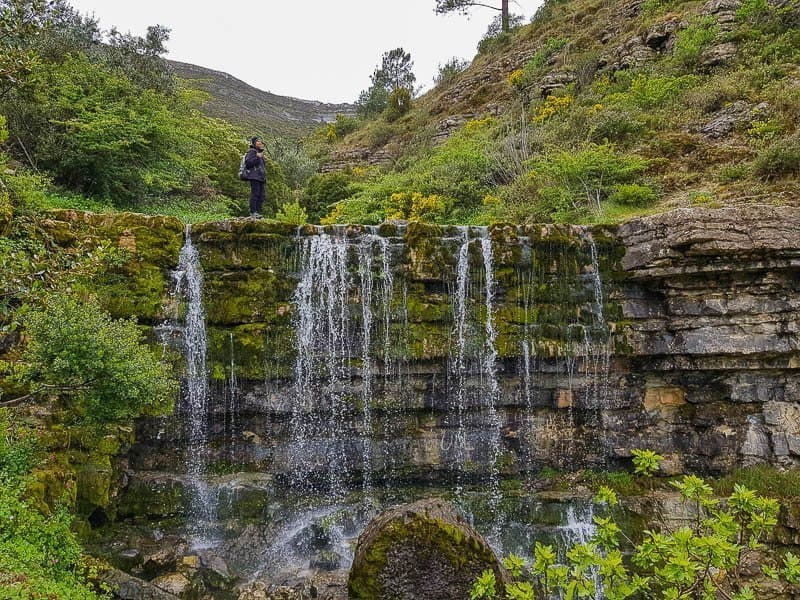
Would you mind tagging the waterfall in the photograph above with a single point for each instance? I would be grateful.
(322, 364)
(232, 404)
(387, 291)
(188, 280)
(459, 401)
(492, 393)
(597, 281)
(580, 529)
(365, 260)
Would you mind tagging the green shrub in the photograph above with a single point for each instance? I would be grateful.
(734, 172)
(573, 184)
(649, 91)
(292, 213)
(39, 554)
(323, 191)
(551, 47)
(493, 43)
(633, 194)
(671, 561)
(450, 70)
(781, 159)
(692, 41)
(381, 133)
(399, 104)
(617, 125)
(79, 351)
(344, 124)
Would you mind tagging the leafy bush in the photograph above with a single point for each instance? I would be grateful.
(323, 191)
(690, 42)
(524, 78)
(493, 43)
(78, 350)
(616, 124)
(649, 91)
(450, 70)
(460, 173)
(553, 105)
(292, 213)
(633, 194)
(100, 134)
(781, 159)
(551, 47)
(570, 184)
(39, 554)
(399, 104)
(705, 555)
(416, 207)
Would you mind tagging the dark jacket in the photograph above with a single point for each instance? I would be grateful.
(255, 166)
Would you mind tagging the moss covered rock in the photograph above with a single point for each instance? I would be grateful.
(424, 550)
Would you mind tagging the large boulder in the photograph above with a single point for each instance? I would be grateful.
(420, 551)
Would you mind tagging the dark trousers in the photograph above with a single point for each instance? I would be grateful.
(258, 191)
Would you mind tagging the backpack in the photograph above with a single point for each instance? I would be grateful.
(243, 171)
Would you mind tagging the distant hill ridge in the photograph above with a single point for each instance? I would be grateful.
(255, 110)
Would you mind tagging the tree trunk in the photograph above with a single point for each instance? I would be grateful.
(505, 16)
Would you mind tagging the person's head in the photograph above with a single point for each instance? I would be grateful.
(257, 143)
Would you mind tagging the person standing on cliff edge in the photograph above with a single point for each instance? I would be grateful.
(255, 171)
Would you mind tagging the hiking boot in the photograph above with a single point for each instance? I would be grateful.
(255, 215)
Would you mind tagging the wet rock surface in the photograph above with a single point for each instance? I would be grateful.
(422, 551)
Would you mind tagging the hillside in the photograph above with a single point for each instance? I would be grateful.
(255, 110)
(597, 110)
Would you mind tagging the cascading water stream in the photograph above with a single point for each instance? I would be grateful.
(492, 392)
(580, 528)
(188, 280)
(321, 366)
(365, 260)
(459, 400)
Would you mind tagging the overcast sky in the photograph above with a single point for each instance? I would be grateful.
(314, 49)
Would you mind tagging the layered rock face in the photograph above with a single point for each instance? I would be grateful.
(677, 332)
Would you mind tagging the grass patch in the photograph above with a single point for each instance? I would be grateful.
(763, 479)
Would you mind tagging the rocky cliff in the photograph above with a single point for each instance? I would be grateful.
(677, 332)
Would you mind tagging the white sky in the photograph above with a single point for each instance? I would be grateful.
(313, 49)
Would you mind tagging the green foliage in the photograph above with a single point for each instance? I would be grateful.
(323, 191)
(764, 479)
(292, 213)
(701, 559)
(372, 101)
(449, 71)
(102, 135)
(690, 42)
(494, 43)
(344, 124)
(648, 91)
(646, 462)
(399, 104)
(551, 47)
(617, 124)
(394, 74)
(77, 350)
(530, 73)
(780, 159)
(39, 554)
(572, 184)
(485, 586)
(456, 175)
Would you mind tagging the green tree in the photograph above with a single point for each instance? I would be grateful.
(464, 6)
(394, 73)
(78, 351)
